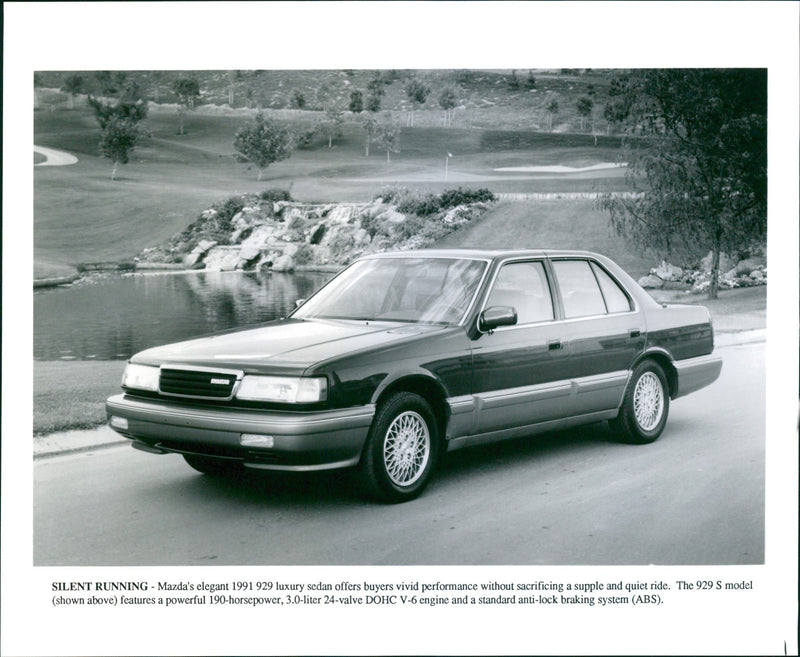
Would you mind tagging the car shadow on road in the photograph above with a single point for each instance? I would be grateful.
(268, 488)
(342, 488)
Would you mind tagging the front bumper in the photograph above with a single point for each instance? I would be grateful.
(696, 373)
(318, 440)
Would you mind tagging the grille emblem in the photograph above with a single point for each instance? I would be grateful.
(219, 382)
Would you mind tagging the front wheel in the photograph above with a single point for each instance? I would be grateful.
(401, 449)
(645, 406)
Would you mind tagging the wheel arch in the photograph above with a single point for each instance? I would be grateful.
(426, 387)
(664, 359)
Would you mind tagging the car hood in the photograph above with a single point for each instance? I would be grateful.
(290, 345)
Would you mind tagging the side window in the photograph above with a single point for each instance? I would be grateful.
(579, 289)
(523, 285)
(616, 300)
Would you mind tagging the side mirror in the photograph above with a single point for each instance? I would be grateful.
(299, 303)
(496, 316)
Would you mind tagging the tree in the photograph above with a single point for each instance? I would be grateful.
(552, 109)
(356, 102)
(73, 84)
(371, 127)
(104, 111)
(331, 124)
(584, 106)
(698, 153)
(110, 83)
(447, 101)
(187, 91)
(37, 83)
(513, 81)
(376, 91)
(298, 100)
(617, 107)
(233, 76)
(388, 138)
(417, 93)
(531, 81)
(120, 136)
(263, 142)
(120, 124)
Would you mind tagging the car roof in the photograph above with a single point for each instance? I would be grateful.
(484, 254)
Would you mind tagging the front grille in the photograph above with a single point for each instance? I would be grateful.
(197, 383)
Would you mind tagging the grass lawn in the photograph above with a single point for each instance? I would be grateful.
(81, 215)
(553, 224)
(71, 394)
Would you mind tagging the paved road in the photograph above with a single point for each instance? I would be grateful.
(696, 496)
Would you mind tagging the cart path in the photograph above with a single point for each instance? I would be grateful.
(54, 158)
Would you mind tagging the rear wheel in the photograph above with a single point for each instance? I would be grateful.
(401, 449)
(645, 406)
(211, 466)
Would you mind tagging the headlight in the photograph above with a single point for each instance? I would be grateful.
(288, 390)
(141, 377)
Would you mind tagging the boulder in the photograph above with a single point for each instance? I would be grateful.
(361, 237)
(259, 237)
(284, 263)
(725, 262)
(249, 252)
(191, 259)
(203, 246)
(651, 282)
(667, 272)
(748, 265)
(222, 258)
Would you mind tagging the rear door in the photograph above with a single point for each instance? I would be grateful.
(604, 329)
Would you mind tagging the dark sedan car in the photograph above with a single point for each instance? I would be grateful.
(403, 356)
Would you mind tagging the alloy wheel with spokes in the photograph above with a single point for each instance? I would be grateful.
(645, 406)
(648, 401)
(406, 448)
(401, 449)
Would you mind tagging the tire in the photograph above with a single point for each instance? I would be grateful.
(645, 406)
(402, 449)
(211, 466)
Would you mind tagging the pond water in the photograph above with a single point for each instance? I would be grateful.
(112, 316)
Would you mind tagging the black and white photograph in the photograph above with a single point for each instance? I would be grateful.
(417, 315)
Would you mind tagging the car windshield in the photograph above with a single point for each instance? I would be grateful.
(401, 289)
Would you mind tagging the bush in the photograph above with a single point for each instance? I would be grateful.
(304, 254)
(370, 223)
(275, 195)
(227, 210)
(392, 194)
(429, 204)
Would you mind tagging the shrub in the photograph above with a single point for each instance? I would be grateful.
(274, 195)
(304, 254)
(370, 223)
(429, 204)
(392, 193)
(228, 209)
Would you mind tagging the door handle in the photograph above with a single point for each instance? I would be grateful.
(553, 345)
(634, 333)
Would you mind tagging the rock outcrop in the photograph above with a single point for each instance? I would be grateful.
(252, 233)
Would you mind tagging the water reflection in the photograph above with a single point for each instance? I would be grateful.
(112, 316)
